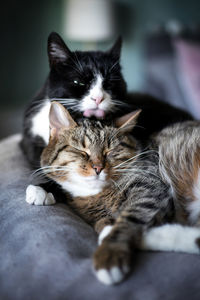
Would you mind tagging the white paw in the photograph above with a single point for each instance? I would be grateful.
(106, 230)
(172, 237)
(38, 196)
(112, 276)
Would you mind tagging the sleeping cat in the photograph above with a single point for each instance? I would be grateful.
(124, 192)
(90, 85)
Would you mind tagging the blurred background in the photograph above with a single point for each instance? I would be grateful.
(160, 54)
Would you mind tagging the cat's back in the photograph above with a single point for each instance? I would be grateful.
(179, 132)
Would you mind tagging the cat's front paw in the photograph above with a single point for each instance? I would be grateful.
(112, 263)
(106, 230)
(38, 196)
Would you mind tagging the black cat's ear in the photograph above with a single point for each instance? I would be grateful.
(58, 52)
(115, 50)
(59, 118)
(127, 122)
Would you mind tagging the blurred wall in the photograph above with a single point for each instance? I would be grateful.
(25, 26)
(141, 16)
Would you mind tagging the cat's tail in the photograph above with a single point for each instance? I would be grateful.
(172, 237)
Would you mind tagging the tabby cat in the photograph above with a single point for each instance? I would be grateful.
(124, 192)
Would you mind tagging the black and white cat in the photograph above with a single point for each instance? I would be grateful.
(90, 85)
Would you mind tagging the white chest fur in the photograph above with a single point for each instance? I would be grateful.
(80, 186)
(40, 122)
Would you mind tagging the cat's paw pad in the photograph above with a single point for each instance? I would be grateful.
(38, 196)
(112, 263)
(106, 230)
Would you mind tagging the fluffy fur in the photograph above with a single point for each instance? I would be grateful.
(138, 190)
(90, 85)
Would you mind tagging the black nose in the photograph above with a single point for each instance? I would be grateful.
(97, 169)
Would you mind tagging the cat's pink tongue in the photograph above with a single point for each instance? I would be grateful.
(99, 113)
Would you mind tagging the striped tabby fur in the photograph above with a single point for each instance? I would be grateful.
(121, 190)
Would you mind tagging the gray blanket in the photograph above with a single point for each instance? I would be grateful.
(45, 252)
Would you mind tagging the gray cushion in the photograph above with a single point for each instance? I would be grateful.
(45, 252)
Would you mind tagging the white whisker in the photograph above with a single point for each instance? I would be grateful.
(72, 100)
(114, 65)
(120, 103)
(133, 157)
(79, 63)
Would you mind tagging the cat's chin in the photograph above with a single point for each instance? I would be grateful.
(81, 186)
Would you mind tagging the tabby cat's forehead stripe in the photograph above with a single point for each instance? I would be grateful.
(89, 137)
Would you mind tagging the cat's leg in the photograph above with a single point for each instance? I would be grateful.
(172, 237)
(104, 232)
(103, 223)
(113, 258)
(38, 196)
(168, 237)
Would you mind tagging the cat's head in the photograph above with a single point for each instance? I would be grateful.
(84, 158)
(92, 78)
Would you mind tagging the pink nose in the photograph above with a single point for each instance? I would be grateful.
(97, 169)
(98, 100)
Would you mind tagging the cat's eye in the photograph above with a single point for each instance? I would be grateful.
(85, 154)
(78, 83)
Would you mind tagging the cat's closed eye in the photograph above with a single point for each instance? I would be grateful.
(85, 154)
(81, 152)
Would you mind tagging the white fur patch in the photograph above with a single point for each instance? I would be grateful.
(112, 276)
(194, 206)
(106, 230)
(96, 91)
(171, 237)
(40, 122)
(38, 196)
(81, 186)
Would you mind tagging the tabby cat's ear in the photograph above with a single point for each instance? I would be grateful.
(59, 118)
(58, 52)
(128, 121)
(115, 50)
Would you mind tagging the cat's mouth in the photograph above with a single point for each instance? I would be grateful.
(98, 113)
